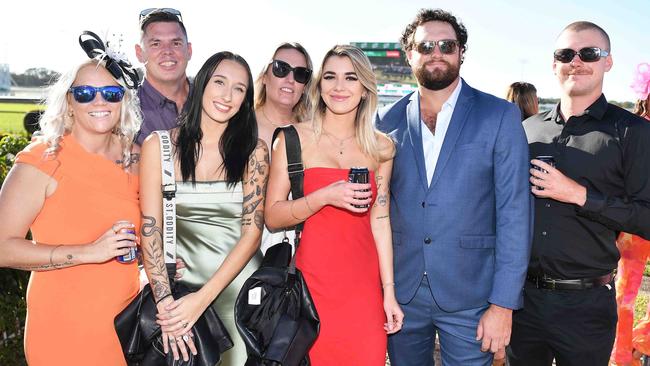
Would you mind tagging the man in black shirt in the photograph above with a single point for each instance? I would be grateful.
(599, 187)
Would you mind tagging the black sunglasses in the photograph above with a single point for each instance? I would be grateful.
(446, 46)
(587, 54)
(282, 69)
(87, 93)
(146, 12)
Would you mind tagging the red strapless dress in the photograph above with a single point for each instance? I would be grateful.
(338, 258)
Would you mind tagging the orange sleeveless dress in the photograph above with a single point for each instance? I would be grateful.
(70, 311)
(338, 258)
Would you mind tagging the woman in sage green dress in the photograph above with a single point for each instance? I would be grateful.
(221, 174)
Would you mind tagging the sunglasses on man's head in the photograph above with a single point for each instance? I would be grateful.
(282, 69)
(87, 93)
(587, 54)
(146, 12)
(446, 46)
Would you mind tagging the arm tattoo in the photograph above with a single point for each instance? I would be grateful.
(250, 208)
(259, 220)
(154, 258)
(258, 177)
(382, 200)
(46, 267)
(381, 217)
(149, 227)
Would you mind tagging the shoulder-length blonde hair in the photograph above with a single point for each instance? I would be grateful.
(367, 134)
(301, 109)
(57, 122)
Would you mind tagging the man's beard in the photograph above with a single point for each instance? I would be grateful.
(437, 79)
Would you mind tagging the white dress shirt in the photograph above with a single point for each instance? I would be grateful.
(433, 143)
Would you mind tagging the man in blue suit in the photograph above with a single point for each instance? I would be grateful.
(460, 205)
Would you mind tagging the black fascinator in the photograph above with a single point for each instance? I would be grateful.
(116, 63)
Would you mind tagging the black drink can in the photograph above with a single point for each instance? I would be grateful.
(359, 175)
(548, 159)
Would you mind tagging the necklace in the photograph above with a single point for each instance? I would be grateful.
(276, 125)
(340, 141)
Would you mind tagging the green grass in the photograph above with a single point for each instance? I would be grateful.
(12, 114)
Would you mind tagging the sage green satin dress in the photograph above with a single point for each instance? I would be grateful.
(208, 226)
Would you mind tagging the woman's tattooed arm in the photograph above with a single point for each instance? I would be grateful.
(154, 257)
(255, 187)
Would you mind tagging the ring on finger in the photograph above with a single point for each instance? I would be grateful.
(172, 340)
(186, 338)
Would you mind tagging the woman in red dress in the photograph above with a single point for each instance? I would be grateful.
(345, 253)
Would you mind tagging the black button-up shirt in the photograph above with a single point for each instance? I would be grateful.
(607, 150)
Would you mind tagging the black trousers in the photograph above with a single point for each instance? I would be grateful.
(576, 327)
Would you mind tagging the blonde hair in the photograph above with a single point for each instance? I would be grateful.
(301, 109)
(57, 122)
(367, 134)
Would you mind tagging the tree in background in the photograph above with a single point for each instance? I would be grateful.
(13, 283)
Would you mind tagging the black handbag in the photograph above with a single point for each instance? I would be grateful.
(274, 312)
(136, 326)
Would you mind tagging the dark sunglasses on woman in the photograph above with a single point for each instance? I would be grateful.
(281, 69)
(446, 46)
(587, 54)
(87, 93)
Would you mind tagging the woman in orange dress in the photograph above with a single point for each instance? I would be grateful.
(631, 344)
(345, 253)
(76, 188)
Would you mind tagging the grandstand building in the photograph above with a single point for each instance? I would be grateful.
(394, 77)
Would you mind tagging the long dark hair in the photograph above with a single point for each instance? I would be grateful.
(238, 140)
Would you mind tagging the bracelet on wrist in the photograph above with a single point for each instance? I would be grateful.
(388, 284)
(291, 210)
(52, 254)
(308, 206)
(163, 298)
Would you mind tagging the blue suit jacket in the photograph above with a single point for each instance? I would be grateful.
(470, 230)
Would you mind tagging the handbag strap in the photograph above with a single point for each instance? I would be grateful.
(296, 176)
(168, 199)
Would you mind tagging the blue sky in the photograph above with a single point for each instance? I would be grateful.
(508, 40)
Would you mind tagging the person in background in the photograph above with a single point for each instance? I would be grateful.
(221, 172)
(164, 50)
(631, 344)
(345, 251)
(598, 187)
(524, 95)
(79, 223)
(281, 98)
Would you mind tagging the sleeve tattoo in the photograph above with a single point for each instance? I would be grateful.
(258, 170)
(154, 259)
